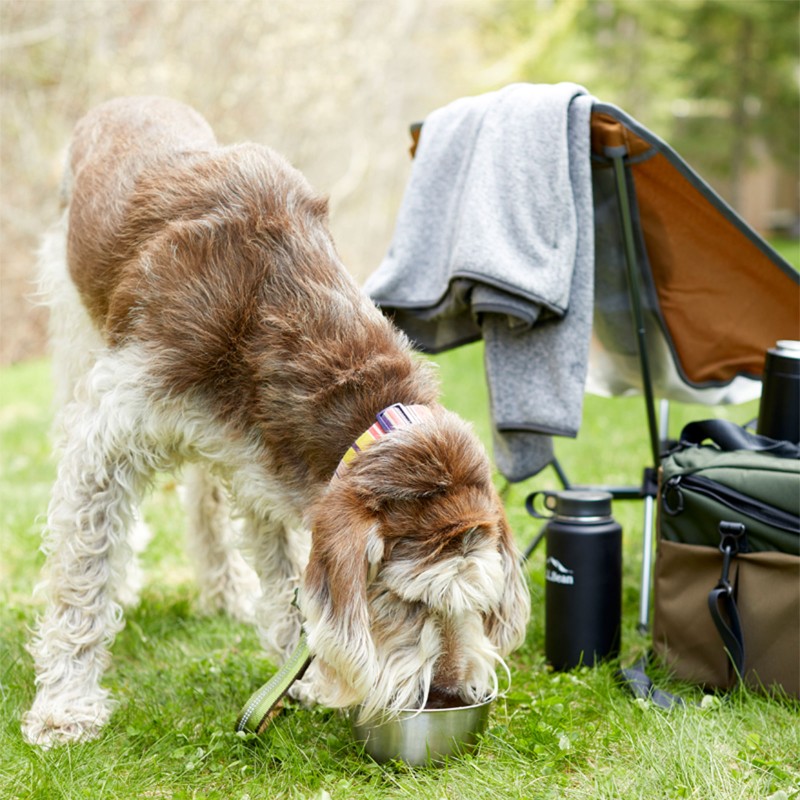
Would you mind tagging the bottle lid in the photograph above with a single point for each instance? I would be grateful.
(581, 503)
(787, 348)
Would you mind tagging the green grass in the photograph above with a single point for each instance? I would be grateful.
(789, 249)
(180, 678)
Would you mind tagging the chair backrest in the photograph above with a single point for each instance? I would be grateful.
(724, 296)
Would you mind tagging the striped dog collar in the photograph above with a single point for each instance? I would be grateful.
(391, 418)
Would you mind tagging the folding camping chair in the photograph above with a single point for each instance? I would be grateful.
(688, 297)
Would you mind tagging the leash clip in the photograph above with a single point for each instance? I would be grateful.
(731, 544)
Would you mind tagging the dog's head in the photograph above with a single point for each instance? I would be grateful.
(414, 587)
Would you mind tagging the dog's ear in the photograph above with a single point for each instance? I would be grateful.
(345, 549)
(506, 624)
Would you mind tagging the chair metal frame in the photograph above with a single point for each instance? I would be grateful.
(657, 433)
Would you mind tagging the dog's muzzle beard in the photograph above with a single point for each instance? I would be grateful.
(418, 655)
(431, 621)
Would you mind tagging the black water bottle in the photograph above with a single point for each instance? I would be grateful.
(583, 589)
(779, 409)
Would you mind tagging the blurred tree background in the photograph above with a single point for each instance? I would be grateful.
(333, 84)
(718, 79)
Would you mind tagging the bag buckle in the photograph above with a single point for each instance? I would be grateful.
(672, 496)
(731, 543)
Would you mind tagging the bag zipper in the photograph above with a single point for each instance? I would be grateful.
(672, 501)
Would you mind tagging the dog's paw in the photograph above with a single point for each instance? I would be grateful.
(305, 690)
(129, 589)
(58, 727)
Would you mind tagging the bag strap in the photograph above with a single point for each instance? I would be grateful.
(641, 686)
(721, 599)
(730, 436)
(725, 615)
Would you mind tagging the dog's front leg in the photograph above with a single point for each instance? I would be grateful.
(91, 509)
(225, 580)
(279, 553)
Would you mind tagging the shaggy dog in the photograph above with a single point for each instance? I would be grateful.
(201, 316)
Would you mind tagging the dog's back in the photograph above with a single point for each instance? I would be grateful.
(112, 146)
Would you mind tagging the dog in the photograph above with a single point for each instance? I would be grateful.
(200, 316)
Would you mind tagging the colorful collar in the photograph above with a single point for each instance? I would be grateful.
(391, 418)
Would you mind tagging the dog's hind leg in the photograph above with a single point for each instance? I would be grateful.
(75, 347)
(225, 580)
(101, 474)
(75, 343)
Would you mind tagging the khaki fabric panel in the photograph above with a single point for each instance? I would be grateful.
(723, 300)
(768, 591)
(684, 635)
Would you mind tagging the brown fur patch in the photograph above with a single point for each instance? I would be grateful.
(220, 260)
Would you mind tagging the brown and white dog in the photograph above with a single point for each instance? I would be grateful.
(201, 316)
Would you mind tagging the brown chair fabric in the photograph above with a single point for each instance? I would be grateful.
(724, 297)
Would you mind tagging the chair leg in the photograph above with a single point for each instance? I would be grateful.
(647, 562)
(649, 530)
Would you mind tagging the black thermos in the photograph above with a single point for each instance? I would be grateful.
(779, 410)
(583, 579)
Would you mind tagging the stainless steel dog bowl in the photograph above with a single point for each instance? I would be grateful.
(423, 737)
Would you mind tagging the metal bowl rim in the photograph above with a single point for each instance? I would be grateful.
(408, 713)
(449, 708)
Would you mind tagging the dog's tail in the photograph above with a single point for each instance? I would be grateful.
(74, 340)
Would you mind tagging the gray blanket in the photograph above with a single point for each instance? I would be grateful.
(495, 239)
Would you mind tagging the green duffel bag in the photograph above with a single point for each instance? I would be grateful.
(727, 574)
